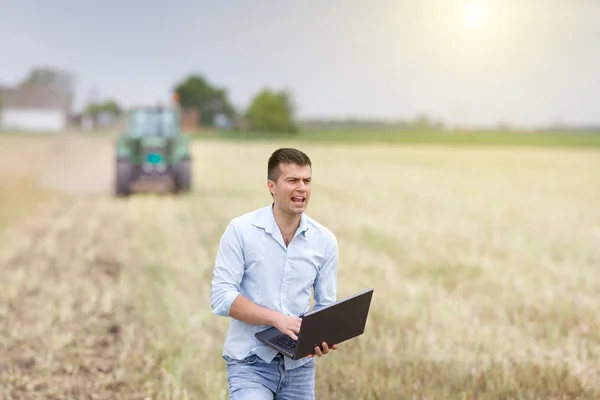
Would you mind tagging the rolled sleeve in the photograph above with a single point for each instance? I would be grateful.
(325, 286)
(227, 274)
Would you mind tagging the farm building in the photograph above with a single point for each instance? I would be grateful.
(34, 108)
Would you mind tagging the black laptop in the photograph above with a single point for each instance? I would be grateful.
(334, 324)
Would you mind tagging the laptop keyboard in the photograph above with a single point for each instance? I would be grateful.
(284, 341)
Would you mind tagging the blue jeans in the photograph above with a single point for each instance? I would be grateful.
(254, 379)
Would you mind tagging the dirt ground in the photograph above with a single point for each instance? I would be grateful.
(66, 331)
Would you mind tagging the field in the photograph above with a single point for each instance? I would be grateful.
(494, 138)
(484, 262)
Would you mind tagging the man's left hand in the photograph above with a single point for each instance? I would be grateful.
(320, 353)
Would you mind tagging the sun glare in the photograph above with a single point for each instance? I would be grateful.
(474, 14)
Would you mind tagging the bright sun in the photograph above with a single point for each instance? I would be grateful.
(474, 14)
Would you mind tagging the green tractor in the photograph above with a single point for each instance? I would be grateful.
(152, 153)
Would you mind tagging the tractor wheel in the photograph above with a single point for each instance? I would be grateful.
(123, 178)
(183, 176)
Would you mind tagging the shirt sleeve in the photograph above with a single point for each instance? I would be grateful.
(228, 273)
(325, 285)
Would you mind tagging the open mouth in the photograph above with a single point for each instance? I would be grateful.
(298, 199)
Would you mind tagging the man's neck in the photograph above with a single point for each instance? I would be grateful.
(286, 222)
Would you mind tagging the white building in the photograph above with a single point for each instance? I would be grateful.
(33, 108)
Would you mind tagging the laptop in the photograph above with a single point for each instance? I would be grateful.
(334, 324)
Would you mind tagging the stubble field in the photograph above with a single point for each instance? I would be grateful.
(484, 263)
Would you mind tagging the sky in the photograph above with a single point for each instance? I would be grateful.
(523, 62)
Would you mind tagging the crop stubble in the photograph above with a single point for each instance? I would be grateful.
(484, 267)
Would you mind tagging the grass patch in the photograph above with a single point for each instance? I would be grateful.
(467, 138)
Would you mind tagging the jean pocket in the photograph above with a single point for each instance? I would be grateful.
(251, 359)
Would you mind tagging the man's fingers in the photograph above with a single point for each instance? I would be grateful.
(318, 351)
(325, 350)
(292, 335)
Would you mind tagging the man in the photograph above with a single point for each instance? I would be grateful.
(267, 264)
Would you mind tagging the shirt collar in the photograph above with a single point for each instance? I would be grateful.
(266, 219)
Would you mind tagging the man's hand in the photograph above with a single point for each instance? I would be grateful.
(289, 325)
(326, 349)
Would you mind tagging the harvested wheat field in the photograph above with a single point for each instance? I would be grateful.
(484, 262)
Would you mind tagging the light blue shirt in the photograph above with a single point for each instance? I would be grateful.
(252, 260)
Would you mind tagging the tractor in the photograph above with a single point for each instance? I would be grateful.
(152, 153)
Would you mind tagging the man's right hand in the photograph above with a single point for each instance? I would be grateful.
(245, 310)
(289, 325)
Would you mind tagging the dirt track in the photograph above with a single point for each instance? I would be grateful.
(65, 330)
(83, 167)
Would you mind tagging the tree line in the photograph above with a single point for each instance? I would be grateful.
(269, 110)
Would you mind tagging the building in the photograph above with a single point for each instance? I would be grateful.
(34, 108)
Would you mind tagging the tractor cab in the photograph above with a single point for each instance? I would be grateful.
(145, 122)
(152, 152)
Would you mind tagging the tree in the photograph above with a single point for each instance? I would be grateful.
(210, 101)
(272, 111)
(103, 113)
(109, 107)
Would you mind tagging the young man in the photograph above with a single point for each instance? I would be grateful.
(267, 264)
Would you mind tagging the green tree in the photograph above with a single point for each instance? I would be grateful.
(210, 101)
(109, 107)
(272, 111)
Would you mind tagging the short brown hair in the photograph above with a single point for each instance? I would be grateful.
(285, 155)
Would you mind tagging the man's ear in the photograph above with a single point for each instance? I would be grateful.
(270, 186)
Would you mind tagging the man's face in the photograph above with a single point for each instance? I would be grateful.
(291, 192)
